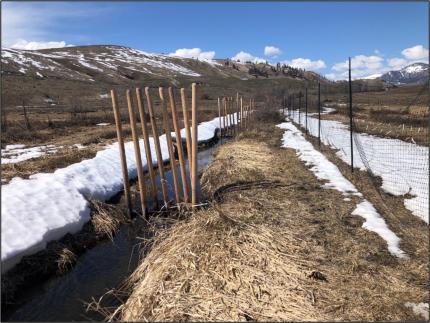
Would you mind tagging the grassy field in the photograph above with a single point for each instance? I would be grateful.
(274, 245)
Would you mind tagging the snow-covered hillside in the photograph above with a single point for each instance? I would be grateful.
(416, 73)
(82, 63)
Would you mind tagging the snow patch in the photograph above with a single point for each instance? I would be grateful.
(420, 309)
(47, 206)
(397, 178)
(329, 172)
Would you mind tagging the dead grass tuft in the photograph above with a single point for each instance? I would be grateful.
(66, 260)
(106, 218)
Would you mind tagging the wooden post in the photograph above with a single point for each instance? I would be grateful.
(121, 151)
(194, 178)
(219, 119)
(241, 113)
(236, 118)
(185, 187)
(187, 127)
(137, 155)
(225, 116)
(231, 116)
(166, 127)
(143, 123)
(157, 148)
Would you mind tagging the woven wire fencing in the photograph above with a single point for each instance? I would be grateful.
(390, 139)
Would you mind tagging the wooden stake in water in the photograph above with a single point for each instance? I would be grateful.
(194, 178)
(157, 147)
(182, 167)
(144, 126)
(137, 156)
(121, 151)
(187, 127)
(166, 127)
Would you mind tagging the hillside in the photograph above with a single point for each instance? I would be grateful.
(417, 73)
(91, 71)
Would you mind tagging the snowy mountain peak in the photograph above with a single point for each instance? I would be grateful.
(416, 73)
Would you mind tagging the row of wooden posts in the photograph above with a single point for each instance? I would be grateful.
(228, 126)
(191, 141)
(234, 116)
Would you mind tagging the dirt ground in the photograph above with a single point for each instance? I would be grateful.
(272, 245)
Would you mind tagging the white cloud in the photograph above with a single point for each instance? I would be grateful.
(40, 22)
(272, 51)
(397, 63)
(417, 52)
(245, 57)
(34, 45)
(196, 53)
(360, 62)
(306, 63)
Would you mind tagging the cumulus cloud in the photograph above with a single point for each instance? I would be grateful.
(306, 63)
(272, 51)
(362, 66)
(360, 62)
(397, 63)
(35, 45)
(195, 53)
(417, 52)
(245, 57)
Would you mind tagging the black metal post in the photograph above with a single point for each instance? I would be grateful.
(300, 105)
(350, 117)
(319, 114)
(306, 110)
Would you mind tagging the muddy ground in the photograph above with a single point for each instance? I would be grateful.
(274, 245)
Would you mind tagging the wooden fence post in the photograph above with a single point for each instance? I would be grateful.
(157, 148)
(166, 127)
(143, 123)
(194, 178)
(122, 156)
(137, 155)
(187, 128)
(231, 116)
(185, 187)
(241, 113)
(225, 116)
(219, 119)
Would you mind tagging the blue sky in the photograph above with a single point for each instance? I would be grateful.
(318, 36)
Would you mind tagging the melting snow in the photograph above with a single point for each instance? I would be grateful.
(327, 171)
(420, 309)
(47, 206)
(18, 153)
(402, 166)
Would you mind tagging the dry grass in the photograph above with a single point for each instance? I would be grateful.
(285, 253)
(66, 260)
(106, 218)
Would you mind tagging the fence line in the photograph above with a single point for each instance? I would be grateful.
(231, 113)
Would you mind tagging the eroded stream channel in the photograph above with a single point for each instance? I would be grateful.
(100, 269)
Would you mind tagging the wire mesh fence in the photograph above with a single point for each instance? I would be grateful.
(390, 142)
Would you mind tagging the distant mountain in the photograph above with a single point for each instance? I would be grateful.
(85, 72)
(417, 73)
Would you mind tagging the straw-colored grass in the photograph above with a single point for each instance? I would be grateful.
(106, 218)
(66, 260)
(289, 252)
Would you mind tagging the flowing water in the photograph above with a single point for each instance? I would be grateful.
(97, 271)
